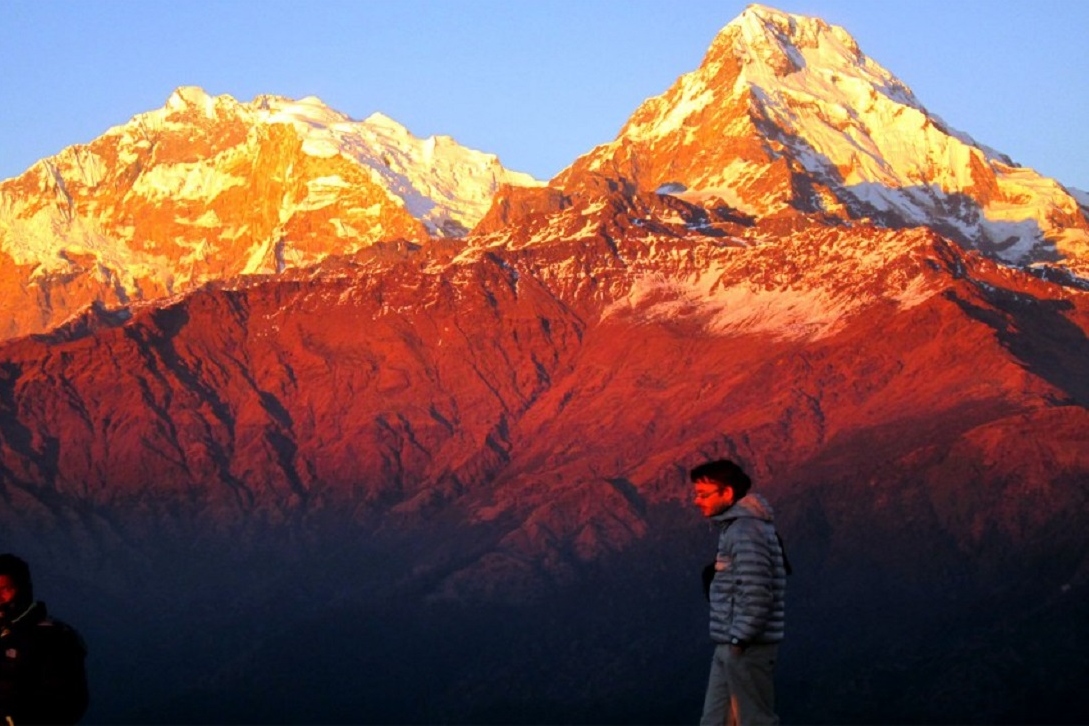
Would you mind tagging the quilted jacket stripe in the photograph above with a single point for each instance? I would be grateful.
(749, 587)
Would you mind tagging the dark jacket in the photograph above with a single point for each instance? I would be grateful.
(42, 677)
(748, 590)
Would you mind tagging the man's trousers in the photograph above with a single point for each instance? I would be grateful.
(741, 689)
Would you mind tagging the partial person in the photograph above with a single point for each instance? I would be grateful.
(746, 589)
(42, 675)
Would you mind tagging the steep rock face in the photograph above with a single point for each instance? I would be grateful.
(208, 188)
(786, 115)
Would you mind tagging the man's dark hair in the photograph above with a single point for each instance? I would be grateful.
(725, 473)
(19, 572)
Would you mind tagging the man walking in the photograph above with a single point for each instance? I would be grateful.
(42, 678)
(746, 593)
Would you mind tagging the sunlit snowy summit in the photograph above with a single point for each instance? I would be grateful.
(209, 187)
(787, 115)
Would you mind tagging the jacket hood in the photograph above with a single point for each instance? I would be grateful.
(750, 505)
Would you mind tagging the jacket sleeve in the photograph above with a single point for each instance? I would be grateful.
(754, 574)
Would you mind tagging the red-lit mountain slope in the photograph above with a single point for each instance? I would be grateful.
(556, 391)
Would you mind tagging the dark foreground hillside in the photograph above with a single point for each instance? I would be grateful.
(327, 640)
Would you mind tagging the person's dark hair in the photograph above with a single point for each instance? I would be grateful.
(725, 473)
(19, 572)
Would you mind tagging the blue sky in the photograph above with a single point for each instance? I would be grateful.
(537, 82)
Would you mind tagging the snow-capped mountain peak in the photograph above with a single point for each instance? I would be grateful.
(207, 187)
(804, 54)
(185, 98)
(787, 114)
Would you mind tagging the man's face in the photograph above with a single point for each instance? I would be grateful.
(711, 499)
(8, 593)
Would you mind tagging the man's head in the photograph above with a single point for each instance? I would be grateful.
(718, 484)
(16, 589)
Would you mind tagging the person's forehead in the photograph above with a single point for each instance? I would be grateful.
(706, 484)
(6, 581)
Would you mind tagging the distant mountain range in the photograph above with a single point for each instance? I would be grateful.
(348, 410)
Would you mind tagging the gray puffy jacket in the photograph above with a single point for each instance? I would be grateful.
(748, 589)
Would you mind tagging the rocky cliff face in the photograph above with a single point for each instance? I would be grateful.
(470, 451)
